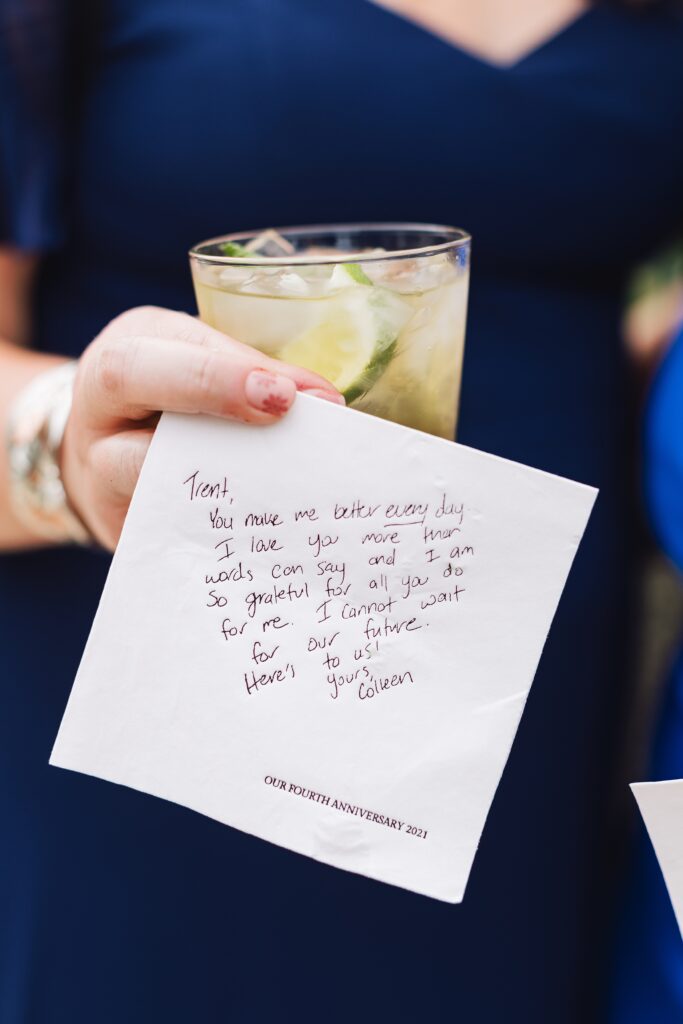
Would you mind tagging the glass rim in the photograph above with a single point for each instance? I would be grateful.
(459, 238)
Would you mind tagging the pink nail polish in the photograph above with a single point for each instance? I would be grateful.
(269, 392)
(329, 396)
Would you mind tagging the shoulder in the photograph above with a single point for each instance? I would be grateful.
(651, 36)
(34, 75)
(637, 65)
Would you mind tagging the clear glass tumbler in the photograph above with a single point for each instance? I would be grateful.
(378, 309)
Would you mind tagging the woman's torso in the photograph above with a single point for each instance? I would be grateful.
(210, 117)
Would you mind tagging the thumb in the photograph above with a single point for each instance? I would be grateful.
(156, 321)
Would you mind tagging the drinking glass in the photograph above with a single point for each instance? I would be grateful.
(377, 309)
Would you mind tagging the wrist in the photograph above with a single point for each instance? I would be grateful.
(35, 431)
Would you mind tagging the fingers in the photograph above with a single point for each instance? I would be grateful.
(131, 377)
(112, 467)
(117, 461)
(151, 360)
(153, 321)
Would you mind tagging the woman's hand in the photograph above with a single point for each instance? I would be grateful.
(148, 361)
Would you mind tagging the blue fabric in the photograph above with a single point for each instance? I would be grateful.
(34, 94)
(649, 967)
(664, 454)
(190, 119)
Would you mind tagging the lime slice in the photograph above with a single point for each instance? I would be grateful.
(356, 272)
(356, 341)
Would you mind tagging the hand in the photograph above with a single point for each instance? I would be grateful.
(148, 361)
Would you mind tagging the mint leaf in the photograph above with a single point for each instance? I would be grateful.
(235, 249)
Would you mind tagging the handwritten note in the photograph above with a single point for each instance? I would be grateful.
(347, 555)
(323, 633)
(661, 805)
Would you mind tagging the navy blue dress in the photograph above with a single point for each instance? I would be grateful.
(147, 125)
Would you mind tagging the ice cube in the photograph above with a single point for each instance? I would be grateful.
(410, 275)
(270, 243)
(292, 284)
(340, 278)
(278, 282)
(234, 277)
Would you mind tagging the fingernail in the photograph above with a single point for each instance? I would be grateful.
(269, 392)
(329, 396)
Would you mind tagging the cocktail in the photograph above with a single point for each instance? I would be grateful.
(378, 309)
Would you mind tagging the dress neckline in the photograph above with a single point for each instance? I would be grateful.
(552, 40)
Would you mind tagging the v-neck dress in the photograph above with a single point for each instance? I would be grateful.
(134, 128)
